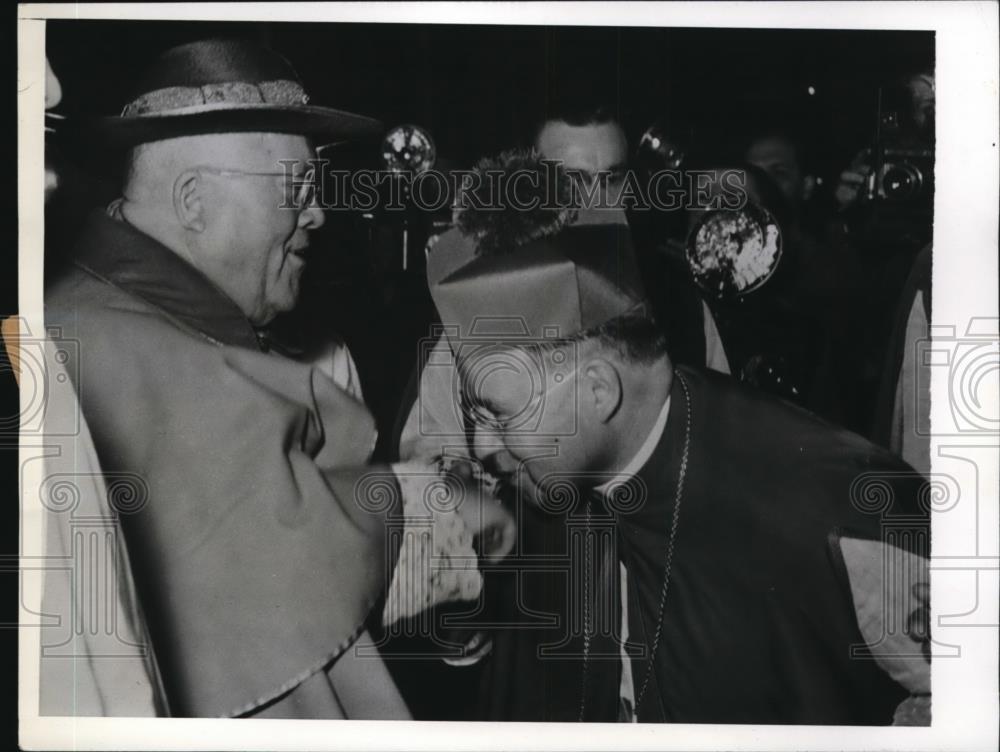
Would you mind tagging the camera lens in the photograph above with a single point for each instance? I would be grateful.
(901, 182)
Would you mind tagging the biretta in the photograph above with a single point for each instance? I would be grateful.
(576, 272)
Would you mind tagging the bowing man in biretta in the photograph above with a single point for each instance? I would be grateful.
(730, 557)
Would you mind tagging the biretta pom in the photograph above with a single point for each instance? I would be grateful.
(514, 198)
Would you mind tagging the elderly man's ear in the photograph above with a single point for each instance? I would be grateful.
(188, 204)
(601, 389)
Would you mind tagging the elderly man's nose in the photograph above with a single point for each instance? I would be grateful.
(312, 217)
(53, 90)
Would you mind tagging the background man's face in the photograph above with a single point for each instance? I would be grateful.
(534, 432)
(591, 149)
(255, 242)
(778, 158)
(922, 100)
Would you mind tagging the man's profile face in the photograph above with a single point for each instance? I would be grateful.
(590, 149)
(530, 428)
(255, 239)
(778, 158)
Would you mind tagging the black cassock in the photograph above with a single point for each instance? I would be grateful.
(756, 624)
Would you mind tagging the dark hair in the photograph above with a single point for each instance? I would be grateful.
(576, 111)
(635, 337)
(788, 133)
(769, 194)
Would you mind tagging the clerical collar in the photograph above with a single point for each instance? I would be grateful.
(120, 253)
(642, 456)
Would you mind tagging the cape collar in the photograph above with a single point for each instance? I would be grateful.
(119, 253)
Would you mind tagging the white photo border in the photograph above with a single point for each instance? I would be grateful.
(965, 274)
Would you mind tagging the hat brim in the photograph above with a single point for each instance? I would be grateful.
(317, 122)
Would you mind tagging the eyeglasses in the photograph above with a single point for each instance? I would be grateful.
(303, 189)
(483, 416)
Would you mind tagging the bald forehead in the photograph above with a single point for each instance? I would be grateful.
(245, 151)
(594, 147)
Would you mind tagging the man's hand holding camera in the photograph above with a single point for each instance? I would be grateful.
(853, 180)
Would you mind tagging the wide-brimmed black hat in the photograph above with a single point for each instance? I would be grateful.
(225, 86)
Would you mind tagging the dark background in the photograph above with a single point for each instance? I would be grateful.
(477, 90)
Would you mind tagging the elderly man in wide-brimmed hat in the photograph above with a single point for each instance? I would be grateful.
(257, 533)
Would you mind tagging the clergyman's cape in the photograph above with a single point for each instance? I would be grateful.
(254, 573)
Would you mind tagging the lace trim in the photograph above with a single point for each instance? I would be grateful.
(279, 92)
(437, 562)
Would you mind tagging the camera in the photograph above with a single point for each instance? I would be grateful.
(899, 195)
(906, 175)
(903, 167)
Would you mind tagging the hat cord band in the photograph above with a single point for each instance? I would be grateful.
(277, 92)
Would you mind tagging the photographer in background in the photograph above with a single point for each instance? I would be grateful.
(905, 185)
(775, 338)
(828, 275)
(916, 97)
(886, 202)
